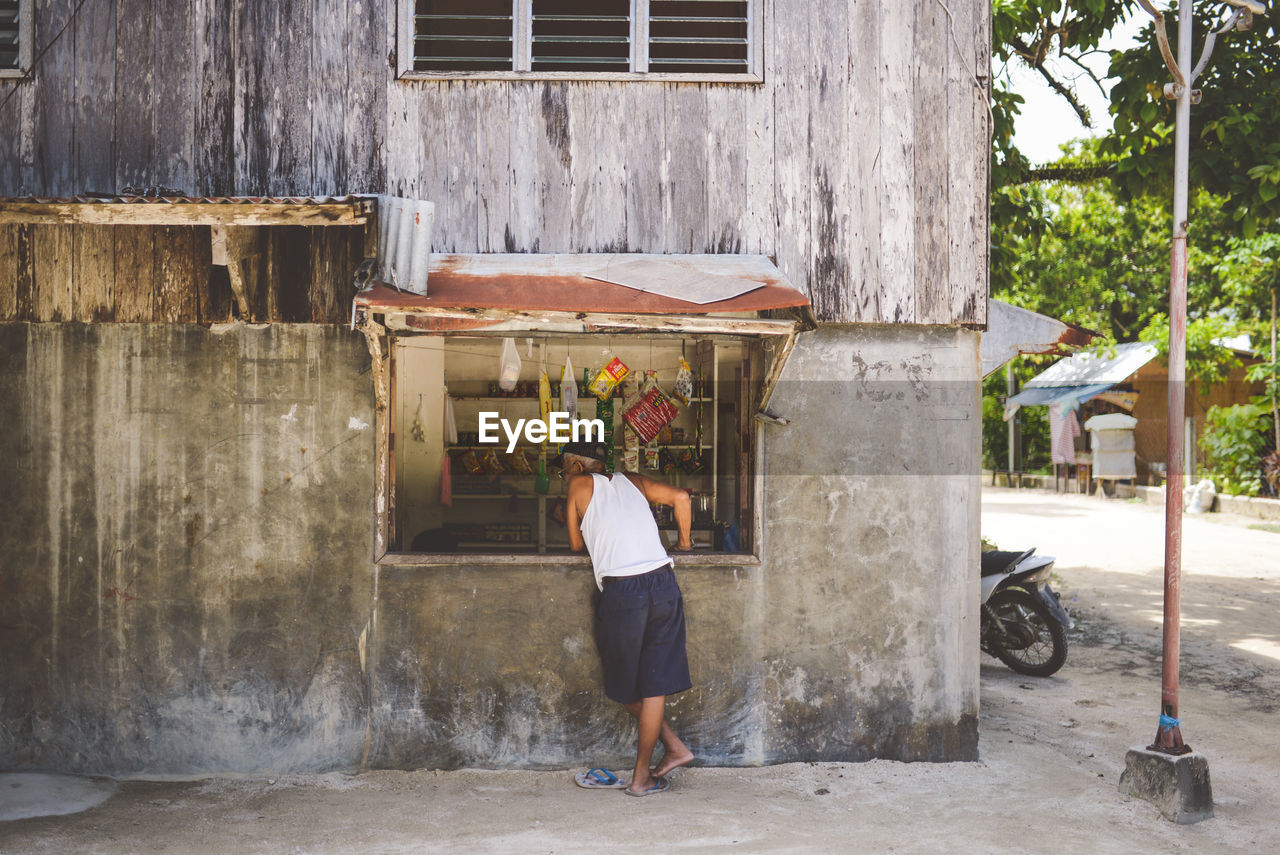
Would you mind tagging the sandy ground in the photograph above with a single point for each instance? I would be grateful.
(1052, 749)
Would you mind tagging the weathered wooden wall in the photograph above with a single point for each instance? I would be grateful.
(164, 274)
(860, 162)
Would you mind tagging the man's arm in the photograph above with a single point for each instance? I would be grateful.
(662, 493)
(573, 517)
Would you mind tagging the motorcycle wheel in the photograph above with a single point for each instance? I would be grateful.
(1037, 644)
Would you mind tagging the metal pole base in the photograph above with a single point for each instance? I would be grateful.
(1169, 741)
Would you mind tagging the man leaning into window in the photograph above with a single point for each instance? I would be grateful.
(639, 623)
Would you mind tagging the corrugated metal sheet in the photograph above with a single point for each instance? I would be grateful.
(1012, 330)
(404, 241)
(1087, 369)
(1081, 377)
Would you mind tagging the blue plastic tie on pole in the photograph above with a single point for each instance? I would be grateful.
(1167, 722)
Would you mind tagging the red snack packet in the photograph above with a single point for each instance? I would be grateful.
(650, 414)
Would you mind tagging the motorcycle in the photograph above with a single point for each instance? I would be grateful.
(1023, 623)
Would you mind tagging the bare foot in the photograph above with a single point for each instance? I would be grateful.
(669, 762)
(641, 788)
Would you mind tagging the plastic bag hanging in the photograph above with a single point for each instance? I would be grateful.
(568, 389)
(450, 421)
(509, 366)
(683, 390)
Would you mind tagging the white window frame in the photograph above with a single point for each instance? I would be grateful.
(523, 43)
(24, 43)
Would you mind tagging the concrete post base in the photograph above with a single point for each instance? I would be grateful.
(1178, 786)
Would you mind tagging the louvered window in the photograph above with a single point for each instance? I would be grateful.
(581, 35)
(699, 36)
(12, 36)
(463, 35)
(603, 39)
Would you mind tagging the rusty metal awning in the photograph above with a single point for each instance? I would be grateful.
(549, 294)
(188, 210)
(563, 293)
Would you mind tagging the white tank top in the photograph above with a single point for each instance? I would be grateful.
(618, 527)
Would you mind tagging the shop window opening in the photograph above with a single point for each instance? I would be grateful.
(453, 492)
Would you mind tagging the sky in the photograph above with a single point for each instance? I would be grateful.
(1047, 120)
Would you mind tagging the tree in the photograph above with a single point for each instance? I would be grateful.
(1252, 268)
(1235, 127)
(1101, 260)
(1034, 32)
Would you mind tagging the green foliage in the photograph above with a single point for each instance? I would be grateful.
(1207, 362)
(1249, 270)
(1268, 374)
(1093, 257)
(1031, 31)
(1235, 128)
(1233, 442)
(1033, 422)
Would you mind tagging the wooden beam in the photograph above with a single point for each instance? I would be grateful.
(513, 320)
(233, 247)
(351, 213)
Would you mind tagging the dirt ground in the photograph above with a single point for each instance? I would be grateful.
(1052, 749)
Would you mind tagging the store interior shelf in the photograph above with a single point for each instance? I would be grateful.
(457, 496)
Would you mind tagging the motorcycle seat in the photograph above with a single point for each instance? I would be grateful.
(1000, 561)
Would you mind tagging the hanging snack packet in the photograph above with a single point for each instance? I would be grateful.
(544, 400)
(630, 451)
(519, 463)
(508, 366)
(568, 390)
(604, 412)
(683, 390)
(651, 412)
(691, 460)
(471, 462)
(608, 377)
(651, 457)
(492, 462)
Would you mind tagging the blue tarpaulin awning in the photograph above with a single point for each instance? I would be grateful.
(1082, 376)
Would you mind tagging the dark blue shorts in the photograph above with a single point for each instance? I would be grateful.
(640, 634)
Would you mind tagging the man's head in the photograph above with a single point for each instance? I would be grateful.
(580, 457)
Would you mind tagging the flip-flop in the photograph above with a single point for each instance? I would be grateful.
(661, 787)
(599, 779)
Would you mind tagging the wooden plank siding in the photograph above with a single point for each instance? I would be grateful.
(859, 163)
(165, 274)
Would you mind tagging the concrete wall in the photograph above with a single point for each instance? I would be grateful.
(188, 587)
(873, 508)
(854, 637)
(185, 550)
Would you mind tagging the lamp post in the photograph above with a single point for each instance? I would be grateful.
(1180, 789)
